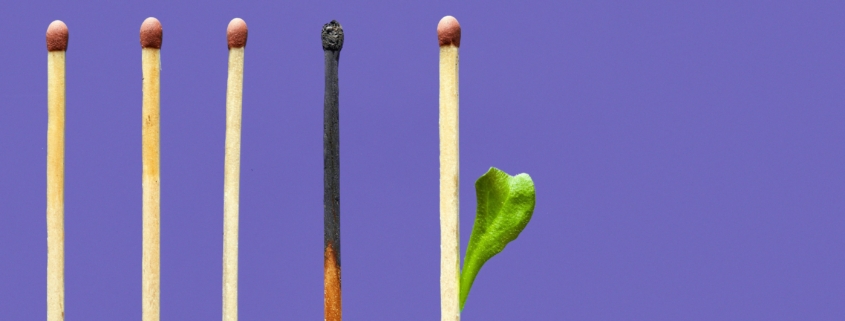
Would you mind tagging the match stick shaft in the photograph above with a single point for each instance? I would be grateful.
(331, 180)
(151, 142)
(449, 184)
(55, 185)
(234, 99)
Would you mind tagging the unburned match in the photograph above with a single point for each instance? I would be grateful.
(236, 35)
(151, 37)
(449, 37)
(57, 39)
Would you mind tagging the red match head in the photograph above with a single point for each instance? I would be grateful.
(236, 33)
(57, 36)
(449, 32)
(151, 33)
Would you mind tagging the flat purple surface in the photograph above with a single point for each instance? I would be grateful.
(689, 159)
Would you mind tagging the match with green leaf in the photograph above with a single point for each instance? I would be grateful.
(505, 203)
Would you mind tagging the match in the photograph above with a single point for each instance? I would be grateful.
(151, 36)
(332, 37)
(57, 37)
(236, 35)
(449, 36)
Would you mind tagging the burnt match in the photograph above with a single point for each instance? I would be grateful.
(57, 38)
(449, 36)
(151, 36)
(236, 35)
(332, 36)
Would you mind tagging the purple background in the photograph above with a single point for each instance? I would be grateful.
(689, 159)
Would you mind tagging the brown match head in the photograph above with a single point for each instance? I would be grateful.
(236, 33)
(151, 33)
(449, 32)
(57, 36)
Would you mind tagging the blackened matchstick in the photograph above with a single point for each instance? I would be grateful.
(57, 37)
(151, 36)
(332, 36)
(236, 35)
(449, 36)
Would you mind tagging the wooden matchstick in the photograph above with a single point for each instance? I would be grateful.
(151, 36)
(449, 36)
(332, 36)
(236, 35)
(57, 38)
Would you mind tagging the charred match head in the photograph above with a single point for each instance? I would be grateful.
(449, 32)
(151, 33)
(332, 36)
(57, 36)
(236, 33)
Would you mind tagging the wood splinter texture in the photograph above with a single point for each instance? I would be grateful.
(57, 37)
(151, 34)
(236, 36)
(332, 37)
(449, 36)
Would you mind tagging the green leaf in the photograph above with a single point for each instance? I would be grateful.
(505, 205)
